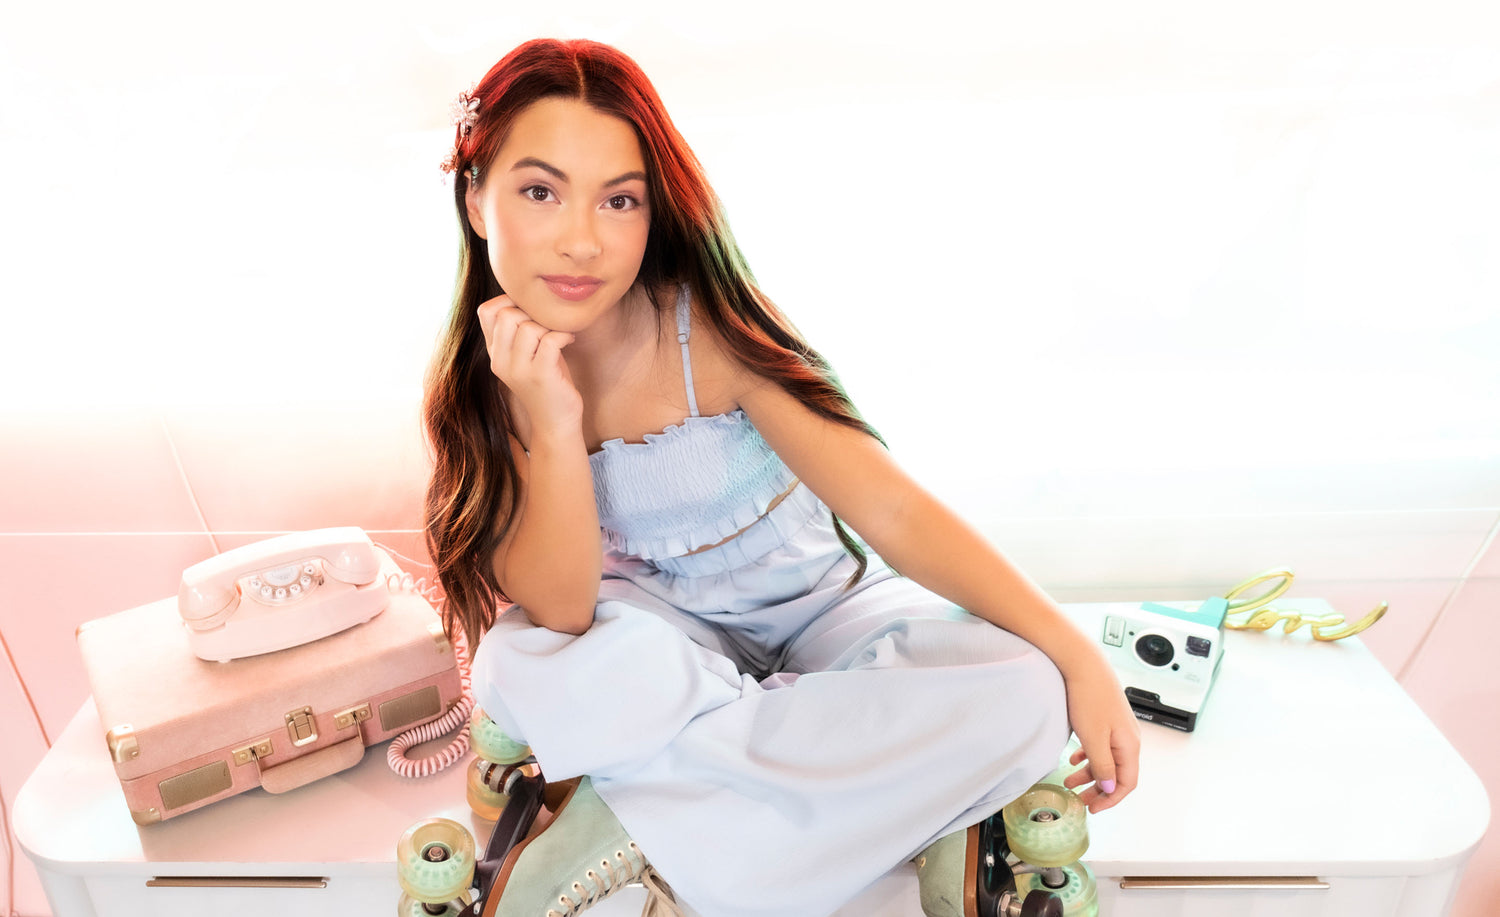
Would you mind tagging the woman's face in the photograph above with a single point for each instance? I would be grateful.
(563, 209)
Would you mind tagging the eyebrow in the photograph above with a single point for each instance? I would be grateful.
(533, 162)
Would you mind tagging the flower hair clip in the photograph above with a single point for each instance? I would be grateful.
(465, 111)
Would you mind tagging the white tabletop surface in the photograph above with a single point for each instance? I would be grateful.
(1308, 759)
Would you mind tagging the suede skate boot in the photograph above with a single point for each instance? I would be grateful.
(575, 855)
(965, 874)
(940, 876)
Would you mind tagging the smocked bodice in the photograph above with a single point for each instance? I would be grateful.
(691, 485)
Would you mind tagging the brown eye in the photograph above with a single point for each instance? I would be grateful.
(536, 193)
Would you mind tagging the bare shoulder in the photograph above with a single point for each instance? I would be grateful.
(720, 376)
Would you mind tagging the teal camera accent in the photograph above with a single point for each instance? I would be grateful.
(1210, 613)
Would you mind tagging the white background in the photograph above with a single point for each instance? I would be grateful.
(1090, 236)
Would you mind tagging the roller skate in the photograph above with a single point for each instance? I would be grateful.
(526, 870)
(1023, 861)
(1045, 829)
(435, 859)
(494, 753)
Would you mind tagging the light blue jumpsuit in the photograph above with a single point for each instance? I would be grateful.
(772, 742)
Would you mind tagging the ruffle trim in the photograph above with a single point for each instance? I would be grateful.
(675, 431)
(699, 535)
(679, 544)
(691, 538)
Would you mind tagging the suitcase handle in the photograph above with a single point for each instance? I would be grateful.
(319, 764)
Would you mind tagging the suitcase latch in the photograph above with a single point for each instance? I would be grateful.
(300, 726)
(352, 716)
(122, 744)
(261, 749)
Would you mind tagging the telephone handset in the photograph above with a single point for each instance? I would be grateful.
(280, 592)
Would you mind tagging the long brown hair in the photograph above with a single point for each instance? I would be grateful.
(471, 499)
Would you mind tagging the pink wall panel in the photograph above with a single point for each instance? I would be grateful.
(1489, 564)
(269, 469)
(1454, 682)
(90, 472)
(409, 549)
(56, 582)
(1414, 604)
(405, 542)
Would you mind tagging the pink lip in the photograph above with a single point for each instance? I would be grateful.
(571, 288)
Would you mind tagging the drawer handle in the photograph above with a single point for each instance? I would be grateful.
(1293, 883)
(237, 882)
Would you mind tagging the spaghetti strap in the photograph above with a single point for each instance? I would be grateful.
(684, 321)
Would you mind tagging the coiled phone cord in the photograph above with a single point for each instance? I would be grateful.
(457, 716)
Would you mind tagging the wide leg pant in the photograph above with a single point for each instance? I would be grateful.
(773, 742)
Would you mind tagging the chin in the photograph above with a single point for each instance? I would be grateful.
(563, 315)
(555, 313)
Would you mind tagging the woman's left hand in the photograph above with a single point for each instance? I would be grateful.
(1103, 721)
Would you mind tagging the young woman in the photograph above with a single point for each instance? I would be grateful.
(690, 523)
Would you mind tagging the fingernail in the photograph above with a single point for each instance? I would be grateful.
(1108, 786)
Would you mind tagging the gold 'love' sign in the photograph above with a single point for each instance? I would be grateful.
(1260, 616)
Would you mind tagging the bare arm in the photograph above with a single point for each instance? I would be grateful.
(550, 561)
(906, 525)
(852, 473)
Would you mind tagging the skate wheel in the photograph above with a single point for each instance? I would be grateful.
(435, 860)
(486, 803)
(1046, 827)
(411, 907)
(490, 743)
(1080, 897)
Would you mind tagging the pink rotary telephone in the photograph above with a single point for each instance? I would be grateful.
(280, 593)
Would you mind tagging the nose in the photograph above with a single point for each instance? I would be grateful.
(579, 237)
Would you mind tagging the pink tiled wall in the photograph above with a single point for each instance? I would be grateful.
(101, 512)
(1454, 681)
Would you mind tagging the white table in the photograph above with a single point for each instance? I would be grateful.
(1312, 786)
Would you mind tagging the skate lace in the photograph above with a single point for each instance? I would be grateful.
(659, 899)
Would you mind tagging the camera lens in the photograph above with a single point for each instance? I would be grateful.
(1154, 649)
